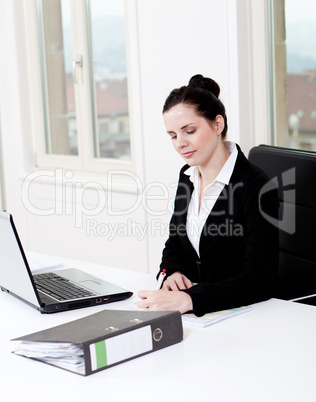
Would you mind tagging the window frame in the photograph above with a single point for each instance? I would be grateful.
(261, 87)
(85, 163)
(277, 72)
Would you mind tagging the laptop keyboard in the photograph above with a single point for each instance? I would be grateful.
(59, 288)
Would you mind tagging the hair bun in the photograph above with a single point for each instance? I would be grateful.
(207, 83)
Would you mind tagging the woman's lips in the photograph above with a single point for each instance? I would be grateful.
(188, 154)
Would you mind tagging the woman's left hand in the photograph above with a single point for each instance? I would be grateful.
(162, 300)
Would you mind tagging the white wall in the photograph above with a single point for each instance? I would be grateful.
(178, 39)
(175, 40)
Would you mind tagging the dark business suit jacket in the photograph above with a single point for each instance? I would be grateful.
(238, 246)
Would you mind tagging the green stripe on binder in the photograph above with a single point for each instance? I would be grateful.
(100, 351)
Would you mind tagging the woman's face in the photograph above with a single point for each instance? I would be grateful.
(193, 137)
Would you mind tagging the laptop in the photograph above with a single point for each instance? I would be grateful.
(50, 292)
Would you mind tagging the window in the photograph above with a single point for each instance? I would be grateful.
(84, 84)
(294, 68)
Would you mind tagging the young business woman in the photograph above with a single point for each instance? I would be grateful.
(222, 252)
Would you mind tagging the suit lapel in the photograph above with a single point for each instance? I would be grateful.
(215, 221)
(182, 204)
(222, 215)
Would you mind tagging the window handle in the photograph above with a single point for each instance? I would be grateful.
(78, 61)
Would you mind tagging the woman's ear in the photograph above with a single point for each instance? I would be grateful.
(219, 124)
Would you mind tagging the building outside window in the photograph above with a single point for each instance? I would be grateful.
(294, 71)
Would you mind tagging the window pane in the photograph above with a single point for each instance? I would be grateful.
(58, 88)
(108, 74)
(300, 20)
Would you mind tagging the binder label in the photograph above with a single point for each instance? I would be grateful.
(120, 347)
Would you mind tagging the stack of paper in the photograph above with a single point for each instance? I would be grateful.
(64, 355)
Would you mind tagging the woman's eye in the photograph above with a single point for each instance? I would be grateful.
(191, 132)
(173, 137)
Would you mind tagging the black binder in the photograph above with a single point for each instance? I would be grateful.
(102, 340)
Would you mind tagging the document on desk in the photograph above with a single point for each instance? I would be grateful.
(102, 340)
(213, 318)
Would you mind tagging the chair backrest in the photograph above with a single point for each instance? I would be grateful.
(295, 172)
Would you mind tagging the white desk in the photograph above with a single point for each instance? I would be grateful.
(268, 355)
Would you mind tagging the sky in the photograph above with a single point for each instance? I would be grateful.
(300, 10)
(301, 34)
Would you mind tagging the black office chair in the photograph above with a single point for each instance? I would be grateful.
(294, 173)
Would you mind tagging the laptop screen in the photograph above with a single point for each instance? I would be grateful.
(14, 270)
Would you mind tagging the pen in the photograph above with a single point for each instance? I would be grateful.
(161, 279)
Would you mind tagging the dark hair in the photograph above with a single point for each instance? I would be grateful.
(202, 93)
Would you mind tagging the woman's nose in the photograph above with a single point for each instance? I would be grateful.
(181, 141)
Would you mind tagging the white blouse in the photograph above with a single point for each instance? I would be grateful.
(195, 219)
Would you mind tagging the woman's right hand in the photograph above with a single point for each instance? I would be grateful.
(176, 281)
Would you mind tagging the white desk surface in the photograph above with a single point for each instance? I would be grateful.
(267, 354)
